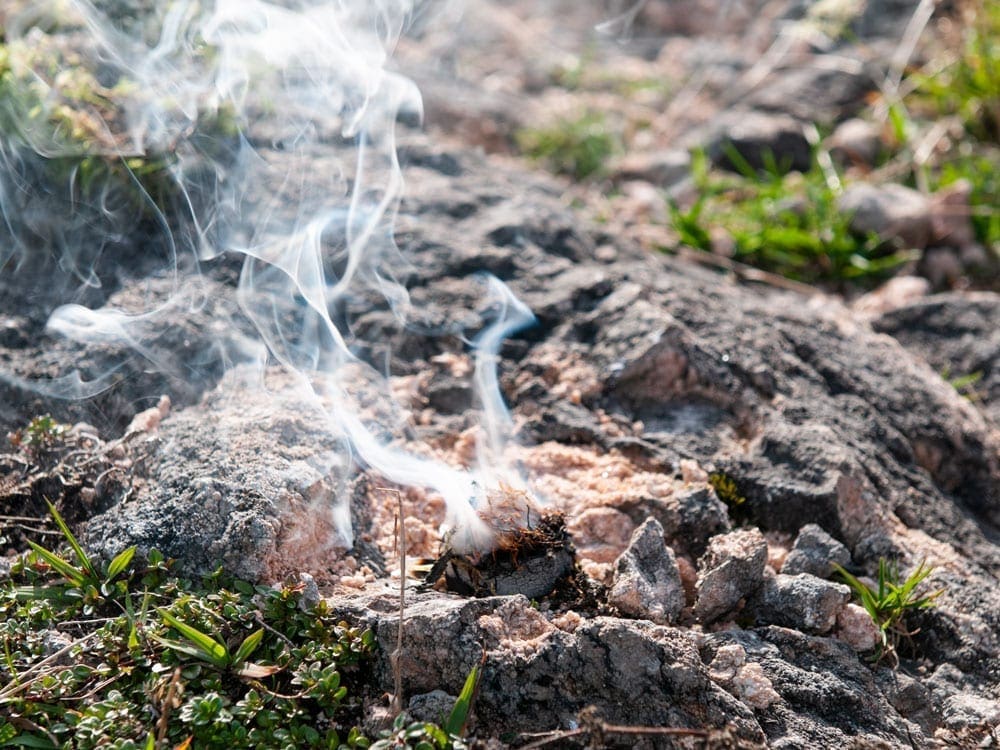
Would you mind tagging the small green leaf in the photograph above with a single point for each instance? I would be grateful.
(30, 740)
(37, 593)
(211, 649)
(249, 645)
(184, 648)
(120, 562)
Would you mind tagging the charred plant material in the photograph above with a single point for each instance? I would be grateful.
(531, 560)
(69, 466)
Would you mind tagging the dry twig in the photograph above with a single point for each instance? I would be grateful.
(164, 721)
(397, 655)
(596, 728)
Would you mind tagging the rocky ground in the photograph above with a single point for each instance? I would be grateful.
(710, 440)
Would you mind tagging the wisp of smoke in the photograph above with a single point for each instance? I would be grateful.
(241, 100)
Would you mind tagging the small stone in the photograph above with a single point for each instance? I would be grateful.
(803, 602)
(754, 688)
(814, 552)
(942, 266)
(434, 706)
(691, 472)
(661, 168)
(606, 253)
(758, 136)
(730, 570)
(645, 200)
(906, 694)
(965, 711)
(729, 669)
(856, 141)
(53, 643)
(310, 592)
(647, 582)
(813, 92)
(951, 220)
(726, 664)
(895, 213)
(856, 628)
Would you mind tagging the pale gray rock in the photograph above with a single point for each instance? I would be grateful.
(896, 213)
(957, 334)
(856, 141)
(966, 711)
(646, 582)
(434, 706)
(661, 168)
(802, 601)
(814, 552)
(730, 571)
(244, 481)
(631, 671)
(828, 696)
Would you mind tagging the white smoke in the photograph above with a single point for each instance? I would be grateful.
(281, 82)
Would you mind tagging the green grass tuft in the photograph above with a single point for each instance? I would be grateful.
(891, 601)
(966, 82)
(579, 148)
(784, 223)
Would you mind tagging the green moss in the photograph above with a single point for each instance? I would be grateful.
(726, 489)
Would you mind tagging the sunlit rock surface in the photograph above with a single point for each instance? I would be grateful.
(813, 416)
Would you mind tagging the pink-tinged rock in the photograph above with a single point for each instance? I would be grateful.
(856, 628)
(730, 570)
(856, 141)
(748, 682)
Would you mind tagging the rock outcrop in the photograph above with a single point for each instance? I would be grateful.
(643, 376)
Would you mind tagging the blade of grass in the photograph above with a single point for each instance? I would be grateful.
(463, 705)
(66, 569)
(81, 556)
(211, 649)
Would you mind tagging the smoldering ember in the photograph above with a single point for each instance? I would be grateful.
(524, 374)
